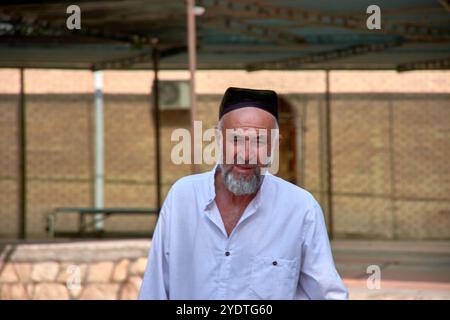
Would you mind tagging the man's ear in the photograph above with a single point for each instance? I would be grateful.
(219, 143)
(218, 136)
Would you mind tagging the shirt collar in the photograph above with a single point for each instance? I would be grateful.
(211, 192)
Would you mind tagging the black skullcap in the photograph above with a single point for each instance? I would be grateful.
(236, 98)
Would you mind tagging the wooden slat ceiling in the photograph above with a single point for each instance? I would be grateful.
(232, 34)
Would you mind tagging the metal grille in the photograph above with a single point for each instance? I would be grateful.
(390, 168)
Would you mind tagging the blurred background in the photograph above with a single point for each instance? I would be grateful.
(90, 96)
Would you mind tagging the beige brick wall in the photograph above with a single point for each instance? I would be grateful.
(391, 144)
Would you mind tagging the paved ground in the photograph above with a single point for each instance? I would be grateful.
(409, 269)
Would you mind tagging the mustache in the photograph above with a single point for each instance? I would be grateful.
(239, 185)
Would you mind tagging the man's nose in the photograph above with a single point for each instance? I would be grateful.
(248, 152)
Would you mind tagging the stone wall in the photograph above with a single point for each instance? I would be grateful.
(106, 270)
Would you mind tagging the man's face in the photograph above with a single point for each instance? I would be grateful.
(246, 146)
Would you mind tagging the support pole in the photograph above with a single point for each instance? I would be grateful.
(22, 159)
(192, 67)
(156, 118)
(99, 150)
(329, 153)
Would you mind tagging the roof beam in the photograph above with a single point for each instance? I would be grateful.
(445, 4)
(238, 25)
(263, 10)
(42, 27)
(250, 49)
(349, 51)
(432, 64)
(142, 57)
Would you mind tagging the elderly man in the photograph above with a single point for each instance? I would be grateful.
(238, 232)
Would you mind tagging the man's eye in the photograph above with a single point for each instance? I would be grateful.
(234, 139)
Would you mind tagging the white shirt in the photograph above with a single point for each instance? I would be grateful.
(279, 249)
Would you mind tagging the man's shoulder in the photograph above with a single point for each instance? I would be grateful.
(291, 191)
(186, 183)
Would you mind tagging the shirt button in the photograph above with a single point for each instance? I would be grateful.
(227, 253)
(274, 263)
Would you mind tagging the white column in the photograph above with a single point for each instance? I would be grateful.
(99, 148)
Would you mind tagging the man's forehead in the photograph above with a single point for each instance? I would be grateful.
(248, 130)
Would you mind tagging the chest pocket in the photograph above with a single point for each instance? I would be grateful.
(274, 278)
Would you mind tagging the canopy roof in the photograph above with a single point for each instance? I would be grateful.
(231, 34)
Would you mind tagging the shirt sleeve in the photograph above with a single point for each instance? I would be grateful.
(319, 278)
(155, 284)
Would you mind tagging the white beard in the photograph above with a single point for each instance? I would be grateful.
(240, 186)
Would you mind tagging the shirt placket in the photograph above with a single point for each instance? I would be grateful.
(228, 251)
(225, 270)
